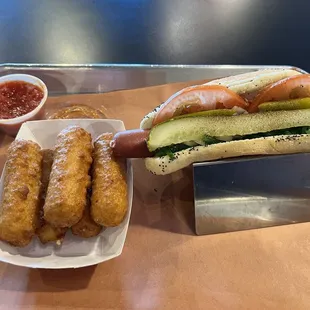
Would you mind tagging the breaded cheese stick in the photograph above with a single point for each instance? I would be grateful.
(19, 210)
(109, 189)
(86, 227)
(46, 232)
(67, 189)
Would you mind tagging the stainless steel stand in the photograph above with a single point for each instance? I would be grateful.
(251, 193)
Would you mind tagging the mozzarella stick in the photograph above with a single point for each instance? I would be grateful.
(109, 189)
(67, 189)
(46, 232)
(19, 210)
(86, 227)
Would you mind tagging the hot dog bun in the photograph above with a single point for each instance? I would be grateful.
(268, 139)
(276, 145)
(147, 120)
(246, 84)
(253, 81)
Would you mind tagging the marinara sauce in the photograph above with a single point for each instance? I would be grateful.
(18, 98)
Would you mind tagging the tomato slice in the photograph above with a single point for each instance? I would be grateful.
(293, 87)
(199, 98)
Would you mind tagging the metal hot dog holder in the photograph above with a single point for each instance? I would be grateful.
(242, 194)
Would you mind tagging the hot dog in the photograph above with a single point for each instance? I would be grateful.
(131, 144)
(259, 113)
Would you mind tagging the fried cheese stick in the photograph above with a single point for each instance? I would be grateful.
(19, 210)
(67, 190)
(46, 232)
(86, 227)
(109, 189)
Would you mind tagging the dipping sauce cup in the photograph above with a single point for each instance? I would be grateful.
(22, 99)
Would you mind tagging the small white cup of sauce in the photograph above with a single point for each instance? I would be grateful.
(22, 99)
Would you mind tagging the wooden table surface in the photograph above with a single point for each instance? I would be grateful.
(163, 266)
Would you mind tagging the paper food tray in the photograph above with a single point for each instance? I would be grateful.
(75, 251)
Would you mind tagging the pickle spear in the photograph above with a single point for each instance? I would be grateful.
(291, 104)
(195, 128)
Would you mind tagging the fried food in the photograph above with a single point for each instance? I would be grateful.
(46, 232)
(67, 190)
(19, 210)
(78, 111)
(86, 227)
(109, 189)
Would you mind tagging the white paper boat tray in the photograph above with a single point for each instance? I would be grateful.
(74, 252)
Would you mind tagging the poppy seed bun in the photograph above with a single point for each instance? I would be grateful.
(275, 145)
(253, 81)
(243, 84)
(192, 128)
